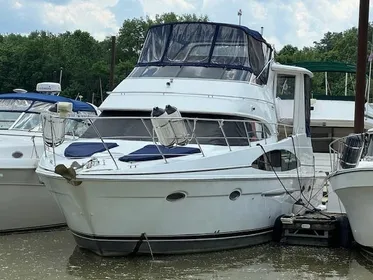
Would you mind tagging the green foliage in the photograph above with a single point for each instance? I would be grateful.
(335, 46)
(39, 57)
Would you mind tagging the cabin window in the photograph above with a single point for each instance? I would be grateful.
(207, 131)
(196, 72)
(285, 88)
(278, 160)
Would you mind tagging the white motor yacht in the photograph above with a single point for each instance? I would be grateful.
(187, 155)
(25, 203)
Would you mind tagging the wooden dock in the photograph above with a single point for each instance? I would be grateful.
(316, 229)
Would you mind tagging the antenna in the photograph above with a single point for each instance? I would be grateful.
(261, 30)
(239, 16)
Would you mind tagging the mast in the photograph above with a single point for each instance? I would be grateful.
(361, 66)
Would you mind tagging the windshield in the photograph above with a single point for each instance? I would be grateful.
(33, 122)
(19, 114)
(7, 119)
(206, 45)
(191, 72)
(135, 125)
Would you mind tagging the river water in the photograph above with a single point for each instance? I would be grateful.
(53, 255)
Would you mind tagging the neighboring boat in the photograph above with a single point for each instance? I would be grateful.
(351, 179)
(24, 202)
(211, 172)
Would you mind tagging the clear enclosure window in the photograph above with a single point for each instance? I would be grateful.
(206, 45)
(190, 43)
(231, 47)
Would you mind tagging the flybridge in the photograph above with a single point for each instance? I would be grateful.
(206, 44)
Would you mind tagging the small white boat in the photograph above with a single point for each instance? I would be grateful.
(212, 172)
(351, 179)
(25, 203)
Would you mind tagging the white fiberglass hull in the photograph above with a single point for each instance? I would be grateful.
(25, 203)
(354, 187)
(115, 216)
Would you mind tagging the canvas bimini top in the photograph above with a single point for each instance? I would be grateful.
(32, 99)
(206, 44)
(326, 66)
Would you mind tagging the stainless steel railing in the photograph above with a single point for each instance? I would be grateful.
(251, 131)
(346, 152)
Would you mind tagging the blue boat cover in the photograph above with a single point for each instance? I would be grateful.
(33, 96)
(86, 149)
(150, 152)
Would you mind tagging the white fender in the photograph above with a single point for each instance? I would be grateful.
(53, 129)
(162, 127)
(178, 125)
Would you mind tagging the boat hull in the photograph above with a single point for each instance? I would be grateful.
(25, 203)
(118, 217)
(354, 188)
(170, 245)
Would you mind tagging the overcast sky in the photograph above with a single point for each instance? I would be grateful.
(285, 21)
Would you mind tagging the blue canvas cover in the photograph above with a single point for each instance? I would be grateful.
(205, 44)
(86, 149)
(151, 152)
(33, 96)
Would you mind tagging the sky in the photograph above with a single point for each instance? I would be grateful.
(295, 22)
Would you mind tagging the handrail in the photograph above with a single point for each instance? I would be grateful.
(346, 152)
(207, 95)
(257, 132)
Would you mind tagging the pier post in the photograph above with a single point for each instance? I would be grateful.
(361, 66)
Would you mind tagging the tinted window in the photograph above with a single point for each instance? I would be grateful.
(278, 160)
(207, 131)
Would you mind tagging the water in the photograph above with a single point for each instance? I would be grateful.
(53, 255)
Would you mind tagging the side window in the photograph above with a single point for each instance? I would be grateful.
(278, 160)
(285, 87)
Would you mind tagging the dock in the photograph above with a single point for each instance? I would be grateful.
(315, 229)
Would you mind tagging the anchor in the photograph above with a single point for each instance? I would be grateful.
(68, 173)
